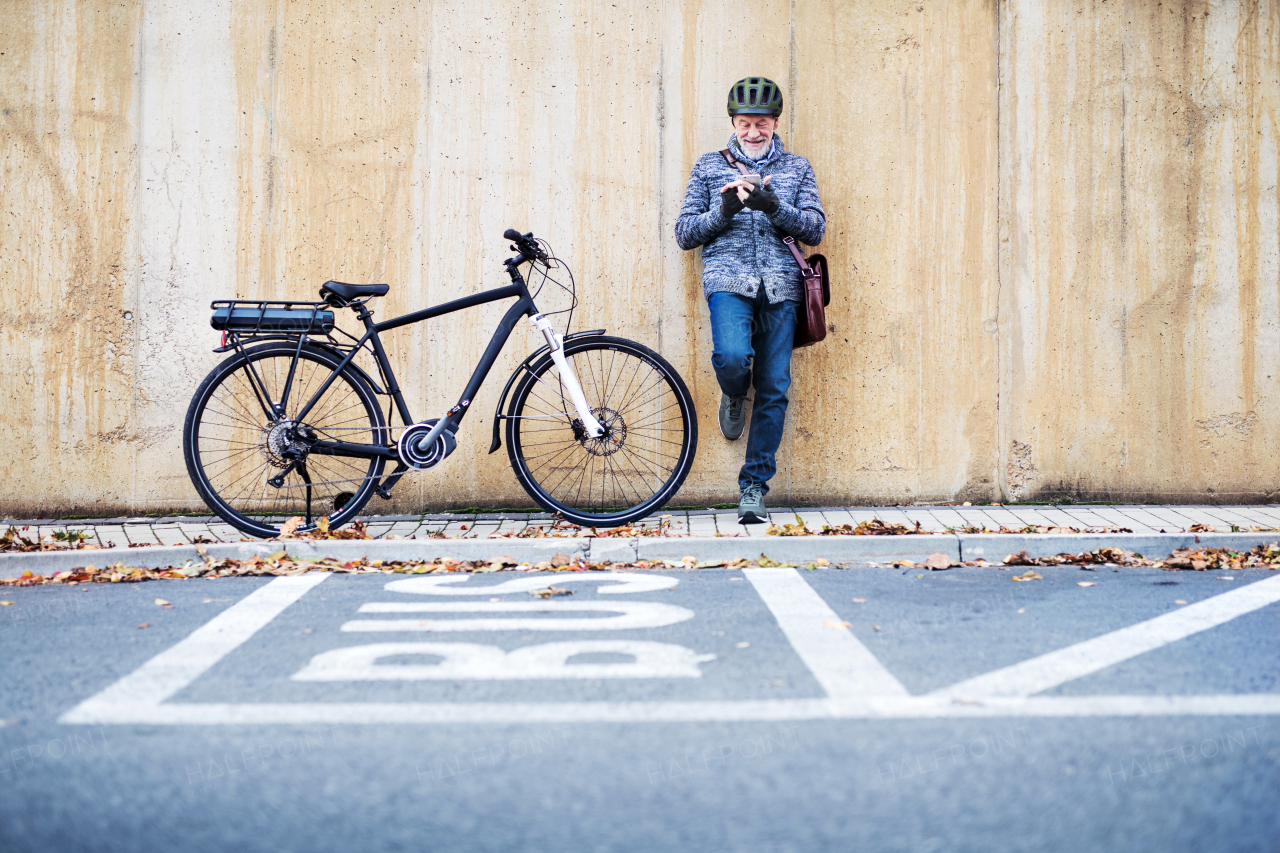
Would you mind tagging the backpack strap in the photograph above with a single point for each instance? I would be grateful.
(733, 161)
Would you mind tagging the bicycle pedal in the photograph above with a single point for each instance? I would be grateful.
(416, 456)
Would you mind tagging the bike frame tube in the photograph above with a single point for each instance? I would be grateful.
(524, 307)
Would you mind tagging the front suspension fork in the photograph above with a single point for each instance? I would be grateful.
(555, 343)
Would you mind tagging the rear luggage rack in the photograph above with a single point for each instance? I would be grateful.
(256, 317)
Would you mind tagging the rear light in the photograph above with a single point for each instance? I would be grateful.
(224, 339)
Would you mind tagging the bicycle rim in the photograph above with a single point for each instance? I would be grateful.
(646, 453)
(232, 447)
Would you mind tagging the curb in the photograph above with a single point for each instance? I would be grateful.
(783, 549)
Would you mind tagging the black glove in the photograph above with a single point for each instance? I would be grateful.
(730, 204)
(764, 200)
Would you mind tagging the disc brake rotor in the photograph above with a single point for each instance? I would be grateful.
(615, 433)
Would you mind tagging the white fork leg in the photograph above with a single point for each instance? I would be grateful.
(570, 379)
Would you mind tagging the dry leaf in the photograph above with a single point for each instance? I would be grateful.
(831, 623)
(859, 601)
(160, 602)
(1029, 575)
(937, 562)
(550, 592)
(1086, 583)
(145, 625)
(1019, 559)
(876, 628)
(743, 645)
(1179, 601)
(559, 560)
(5, 603)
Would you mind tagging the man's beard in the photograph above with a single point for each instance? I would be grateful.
(758, 150)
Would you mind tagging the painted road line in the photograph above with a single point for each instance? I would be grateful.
(618, 584)
(1050, 670)
(844, 667)
(176, 667)
(495, 713)
(476, 662)
(632, 614)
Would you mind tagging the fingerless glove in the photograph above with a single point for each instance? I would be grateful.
(730, 204)
(764, 200)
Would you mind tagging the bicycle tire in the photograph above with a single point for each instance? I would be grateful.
(653, 433)
(232, 447)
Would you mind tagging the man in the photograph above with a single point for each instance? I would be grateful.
(752, 282)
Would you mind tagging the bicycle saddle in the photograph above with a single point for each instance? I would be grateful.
(348, 292)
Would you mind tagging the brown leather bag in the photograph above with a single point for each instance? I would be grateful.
(811, 318)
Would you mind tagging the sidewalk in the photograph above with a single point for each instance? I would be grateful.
(960, 534)
(183, 530)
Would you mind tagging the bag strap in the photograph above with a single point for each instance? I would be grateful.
(795, 253)
(791, 243)
(733, 161)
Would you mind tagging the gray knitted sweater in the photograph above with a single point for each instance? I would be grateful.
(740, 254)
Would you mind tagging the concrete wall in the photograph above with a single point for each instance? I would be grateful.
(1053, 225)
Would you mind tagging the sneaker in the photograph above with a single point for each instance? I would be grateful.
(733, 416)
(751, 506)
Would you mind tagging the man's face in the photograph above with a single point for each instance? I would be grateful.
(755, 133)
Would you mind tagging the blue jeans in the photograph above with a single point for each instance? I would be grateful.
(751, 341)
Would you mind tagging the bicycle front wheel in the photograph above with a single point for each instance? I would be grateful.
(651, 433)
(235, 442)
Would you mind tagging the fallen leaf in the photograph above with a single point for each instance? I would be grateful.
(5, 603)
(831, 623)
(1086, 583)
(145, 625)
(495, 599)
(559, 560)
(859, 601)
(876, 628)
(1178, 601)
(1022, 610)
(937, 562)
(1029, 575)
(160, 602)
(277, 555)
(743, 645)
(1019, 559)
(822, 561)
(550, 592)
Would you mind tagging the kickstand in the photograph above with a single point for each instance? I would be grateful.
(306, 478)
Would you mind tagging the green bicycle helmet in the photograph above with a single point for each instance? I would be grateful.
(755, 96)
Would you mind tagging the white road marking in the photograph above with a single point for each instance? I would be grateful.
(633, 614)
(176, 667)
(619, 584)
(139, 697)
(883, 708)
(841, 663)
(1058, 667)
(473, 661)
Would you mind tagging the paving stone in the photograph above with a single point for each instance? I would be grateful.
(169, 534)
(141, 534)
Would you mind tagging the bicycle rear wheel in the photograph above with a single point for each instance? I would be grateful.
(233, 447)
(643, 458)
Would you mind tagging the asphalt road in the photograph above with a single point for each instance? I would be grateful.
(653, 745)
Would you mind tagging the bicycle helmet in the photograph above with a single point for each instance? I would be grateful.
(755, 96)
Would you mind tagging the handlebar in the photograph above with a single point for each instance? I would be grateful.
(526, 245)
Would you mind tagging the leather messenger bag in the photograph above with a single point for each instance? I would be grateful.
(811, 318)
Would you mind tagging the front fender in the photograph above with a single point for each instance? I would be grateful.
(498, 416)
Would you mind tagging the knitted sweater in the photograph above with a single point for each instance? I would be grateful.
(740, 254)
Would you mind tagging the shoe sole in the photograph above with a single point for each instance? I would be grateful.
(752, 518)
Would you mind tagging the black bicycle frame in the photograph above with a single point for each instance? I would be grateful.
(523, 307)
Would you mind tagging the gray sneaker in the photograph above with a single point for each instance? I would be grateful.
(751, 506)
(733, 416)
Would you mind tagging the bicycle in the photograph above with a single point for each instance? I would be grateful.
(599, 429)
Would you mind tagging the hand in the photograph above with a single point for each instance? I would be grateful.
(730, 201)
(764, 200)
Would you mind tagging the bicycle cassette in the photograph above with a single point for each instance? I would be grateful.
(419, 457)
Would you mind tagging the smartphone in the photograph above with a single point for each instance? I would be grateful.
(754, 179)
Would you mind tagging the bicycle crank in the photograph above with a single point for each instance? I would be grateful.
(413, 452)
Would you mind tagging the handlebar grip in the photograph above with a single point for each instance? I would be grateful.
(513, 235)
